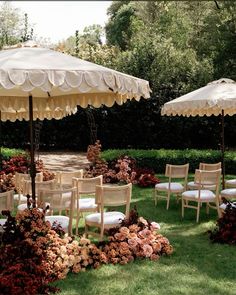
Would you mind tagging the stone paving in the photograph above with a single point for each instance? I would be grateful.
(63, 161)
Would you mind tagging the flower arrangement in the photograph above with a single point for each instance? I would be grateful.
(123, 170)
(147, 180)
(125, 173)
(6, 182)
(19, 164)
(47, 175)
(225, 231)
(94, 151)
(136, 238)
(33, 253)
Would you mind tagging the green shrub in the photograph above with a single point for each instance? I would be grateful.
(9, 153)
(157, 159)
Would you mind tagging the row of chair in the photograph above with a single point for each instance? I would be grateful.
(204, 189)
(69, 192)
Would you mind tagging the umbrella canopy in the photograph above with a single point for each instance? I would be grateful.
(39, 83)
(58, 83)
(216, 98)
(209, 100)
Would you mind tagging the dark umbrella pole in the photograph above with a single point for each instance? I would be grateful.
(0, 141)
(223, 148)
(32, 162)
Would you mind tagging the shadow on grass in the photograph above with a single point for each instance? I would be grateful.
(196, 267)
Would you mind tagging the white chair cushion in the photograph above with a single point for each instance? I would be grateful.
(66, 196)
(174, 186)
(22, 207)
(59, 219)
(2, 221)
(20, 198)
(192, 185)
(231, 182)
(84, 204)
(109, 217)
(87, 203)
(204, 195)
(228, 193)
(223, 206)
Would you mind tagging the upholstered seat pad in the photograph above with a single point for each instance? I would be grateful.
(86, 203)
(2, 221)
(223, 206)
(66, 196)
(20, 197)
(174, 186)
(192, 185)
(22, 207)
(228, 193)
(109, 217)
(204, 195)
(231, 182)
(59, 219)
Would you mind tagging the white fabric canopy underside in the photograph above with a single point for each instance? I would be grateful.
(58, 83)
(209, 100)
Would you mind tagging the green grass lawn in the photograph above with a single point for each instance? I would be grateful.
(196, 267)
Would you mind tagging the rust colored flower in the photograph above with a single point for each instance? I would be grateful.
(134, 228)
(124, 230)
(147, 250)
(154, 257)
(120, 236)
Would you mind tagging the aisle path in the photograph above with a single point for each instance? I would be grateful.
(63, 161)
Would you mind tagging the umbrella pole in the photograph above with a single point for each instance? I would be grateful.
(0, 140)
(32, 162)
(223, 148)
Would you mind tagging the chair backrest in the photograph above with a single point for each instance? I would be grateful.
(49, 184)
(209, 167)
(55, 197)
(177, 171)
(6, 200)
(117, 195)
(21, 177)
(64, 178)
(205, 178)
(87, 185)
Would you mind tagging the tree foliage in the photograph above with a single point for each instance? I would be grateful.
(178, 46)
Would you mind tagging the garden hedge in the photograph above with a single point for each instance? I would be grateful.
(157, 159)
(9, 153)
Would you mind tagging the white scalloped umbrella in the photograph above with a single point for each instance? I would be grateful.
(39, 83)
(216, 98)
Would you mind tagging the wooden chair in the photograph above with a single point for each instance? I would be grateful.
(7, 200)
(109, 196)
(203, 178)
(85, 196)
(208, 167)
(231, 183)
(171, 187)
(20, 179)
(39, 185)
(64, 178)
(55, 198)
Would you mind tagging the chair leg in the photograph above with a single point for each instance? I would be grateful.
(168, 201)
(77, 223)
(198, 211)
(182, 208)
(155, 197)
(207, 208)
(101, 233)
(218, 209)
(86, 230)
